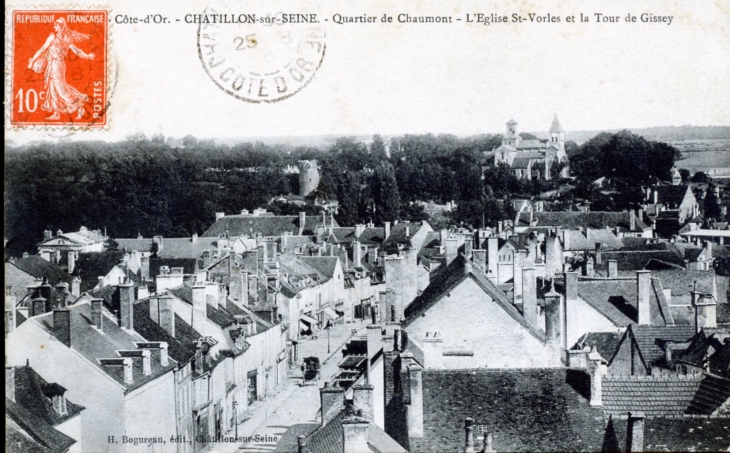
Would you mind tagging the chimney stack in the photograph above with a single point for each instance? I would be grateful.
(38, 306)
(301, 444)
(493, 259)
(355, 434)
(126, 305)
(200, 310)
(635, 432)
(62, 325)
(128, 370)
(167, 314)
(10, 310)
(62, 292)
(412, 373)
(97, 317)
(553, 318)
(479, 257)
(332, 401)
(708, 249)
(76, 287)
(357, 254)
(612, 269)
(517, 264)
(10, 383)
(705, 311)
(487, 443)
(362, 398)
(199, 361)
(469, 433)
(451, 249)
(596, 374)
(571, 286)
(598, 253)
(643, 296)
(529, 294)
(144, 267)
(387, 230)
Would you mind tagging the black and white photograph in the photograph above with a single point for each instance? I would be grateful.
(319, 226)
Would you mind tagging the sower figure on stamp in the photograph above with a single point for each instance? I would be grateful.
(51, 58)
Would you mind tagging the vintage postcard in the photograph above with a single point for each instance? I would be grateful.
(375, 226)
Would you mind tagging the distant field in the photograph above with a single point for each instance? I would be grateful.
(709, 156)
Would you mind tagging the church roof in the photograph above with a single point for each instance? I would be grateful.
(556, 127)
(511, 122)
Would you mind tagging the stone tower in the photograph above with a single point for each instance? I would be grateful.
(557, 135)
(308, 176)
(512, 135)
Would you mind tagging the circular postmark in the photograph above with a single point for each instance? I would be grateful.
(260, 58)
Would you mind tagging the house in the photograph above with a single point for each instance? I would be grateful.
(260, 222)
(533, 158)
(107, 367)
(679, 198)
(462, 310)
(85, 240)
(27, 271)
(38, 416)
(623, 224)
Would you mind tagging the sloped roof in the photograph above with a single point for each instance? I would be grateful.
(29, 393)
(651, 339)
(682, 281)
(267, 225)
(605, 343)
(329, 438)
(521, 163)
(40, 268)
(674, 434)
(93, 344)
(526, 410)
(172, 247)
(181, 347)
(653, 395)
(450, 277)
(671, 196)
(325, 265)
(90, 266)
(189, 265)
(645, 258)
(714, 392)
(42, 434)
(575, 219)
(555, 127)
(372, 236)
(605, 237)
(614, 299)
(398, 233)
(531, 144)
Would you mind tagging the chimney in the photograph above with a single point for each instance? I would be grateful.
(708, 249)
(243, 287)
(62, 292)
(452, 249)
(219, 215)
(97, 317)
(433, 350)
(493, 258)
(635, 432)
(387, 229)
(128, 375)
(332, 401)
(10, 383)
(487, 448)
(362, 398)
(355, 434)
(199, 361)
(705, 311)
(553, 318)
(374, 334)
(200, 309)
(164, 353)
(39, 306)
(589, 268)
(357, 254)
(598, 253)
(47, 235)
(517, 264)
(167, 314)
(529, 293)
(612, 269)
(479, 257)
(301, 444)
(76, 287)
(596, 374)
(71, 261)
(469, 433)
(126, 305)
(144, 267)
(146, 362)
(411, 372)
(632, 219)
(643, 297)
(571, 286)
(62, 325)
(359, 229)
(566, 239)
(656, 196)
(194, 238)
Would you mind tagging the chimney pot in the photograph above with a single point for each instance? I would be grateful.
(469, 433)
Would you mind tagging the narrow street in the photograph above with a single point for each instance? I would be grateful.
(295, 403)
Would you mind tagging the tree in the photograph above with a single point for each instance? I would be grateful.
(685, 174)
(385, 193)
(712, 204)
(700, 177)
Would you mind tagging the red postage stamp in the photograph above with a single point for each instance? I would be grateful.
(59, 68)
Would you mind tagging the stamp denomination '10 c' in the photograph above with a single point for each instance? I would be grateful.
(59, 68)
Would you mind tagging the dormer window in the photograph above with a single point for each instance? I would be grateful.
(56, 394)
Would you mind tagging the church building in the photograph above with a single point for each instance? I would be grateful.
(533, 158)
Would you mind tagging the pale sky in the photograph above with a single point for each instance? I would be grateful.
(454, 78)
